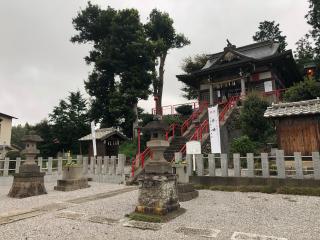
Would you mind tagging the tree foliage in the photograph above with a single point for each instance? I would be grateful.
(313, 18)
(243, 145)
(253, 122)
(270, 30)
(304, 90)
(163, 37)
(123, 63)
(190, 65)
(69, 121)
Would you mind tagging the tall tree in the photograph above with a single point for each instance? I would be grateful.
(70, 122)
(163, 36)
(190, 65)
(269, 30)
(123, 62)
(304, 52)
(313, 18)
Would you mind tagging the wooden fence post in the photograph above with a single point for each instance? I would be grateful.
(40, 162)
(99, 165)
(280, 164)
(189, 164)
(121, 162)
(298, 165)
(250, 164)
(59, 166)
(50, 165)
(113, 165)
(6, 167)
(199, 164)
(92, 165)
(18, 163)
(265, 165)
(316, 165)
(236, 165)
(85, 165)
(212, 165)
(224, 165)
(105, 169)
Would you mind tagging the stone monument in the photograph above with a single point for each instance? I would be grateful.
(157, 186)
(29, 181)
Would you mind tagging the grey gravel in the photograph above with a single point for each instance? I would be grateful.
(278, 216)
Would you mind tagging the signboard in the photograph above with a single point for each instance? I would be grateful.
(214, 127)
(193, 147)
(93, 134)
(268, 86)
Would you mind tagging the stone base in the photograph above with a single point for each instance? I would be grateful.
(71, 184)
(186, 192)
(160, 167)
(28, 182)
(157, 194)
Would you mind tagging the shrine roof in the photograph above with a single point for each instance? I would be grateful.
(104, 133)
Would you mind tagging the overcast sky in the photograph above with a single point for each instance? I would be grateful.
(39, 65)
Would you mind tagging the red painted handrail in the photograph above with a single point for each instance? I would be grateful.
(140, 158)
(230, 104)
(171, 131)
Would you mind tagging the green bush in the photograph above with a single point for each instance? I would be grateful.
(184, 110)
(170, 119)
(129, 148)
(252, 120)
(243, 145)
(304, 90)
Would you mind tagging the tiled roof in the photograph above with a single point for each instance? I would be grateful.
(102, 134)
(6, 115)
(293, 108)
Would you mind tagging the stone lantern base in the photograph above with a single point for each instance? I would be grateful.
(157, 194)
(28, 182)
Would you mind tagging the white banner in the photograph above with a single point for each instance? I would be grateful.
(214, 127)
(93, 134)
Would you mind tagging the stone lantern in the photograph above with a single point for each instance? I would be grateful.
(29, 181)
(158, 185)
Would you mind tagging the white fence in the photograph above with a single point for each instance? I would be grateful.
(263, 165)
(100, 169)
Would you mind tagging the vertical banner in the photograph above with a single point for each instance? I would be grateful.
(93, 134)
(214, 126)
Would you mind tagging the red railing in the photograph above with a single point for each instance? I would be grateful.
(193, 116)
(171, 109)
(230, 104)
(140, 158)
(171, 131)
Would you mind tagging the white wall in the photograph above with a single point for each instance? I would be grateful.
(5, 131)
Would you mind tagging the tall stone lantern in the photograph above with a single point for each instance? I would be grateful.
(157, 186)
(29, 181)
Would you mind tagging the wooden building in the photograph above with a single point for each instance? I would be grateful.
(237, 70)
(108, 141)
(297, 126)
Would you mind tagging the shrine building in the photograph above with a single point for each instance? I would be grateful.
(236, 71)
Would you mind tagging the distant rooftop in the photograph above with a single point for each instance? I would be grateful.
(293, 108)
(6, 116)
(103, 133)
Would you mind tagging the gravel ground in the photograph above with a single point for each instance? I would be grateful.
(290, 217)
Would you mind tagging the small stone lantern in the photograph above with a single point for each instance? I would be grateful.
(29, 181)
(158, 185)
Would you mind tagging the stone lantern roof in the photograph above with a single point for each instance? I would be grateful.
(156, 125)
(31, 138)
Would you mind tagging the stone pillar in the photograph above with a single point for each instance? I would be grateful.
(189, 164)
(298, 165)
(212, 165)
(18, 162)
(224, 165)
(250, 164)
(280, 164)
(85, 165)
(177, 157)
(316, 165)
(99, 165)
(199, 164)
(236, 165)
(121, 163)
(105, 168)
(265, 165)
(113, 165)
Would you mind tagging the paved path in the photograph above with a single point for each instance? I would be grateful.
(214, 215)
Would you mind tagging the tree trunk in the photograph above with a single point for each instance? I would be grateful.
(158, 92)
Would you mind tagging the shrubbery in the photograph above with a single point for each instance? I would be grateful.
(243, 145)
(170, 119)
(304, 90)
(184, 110)
(129, 148)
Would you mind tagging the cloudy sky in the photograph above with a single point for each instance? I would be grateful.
(39, 65)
